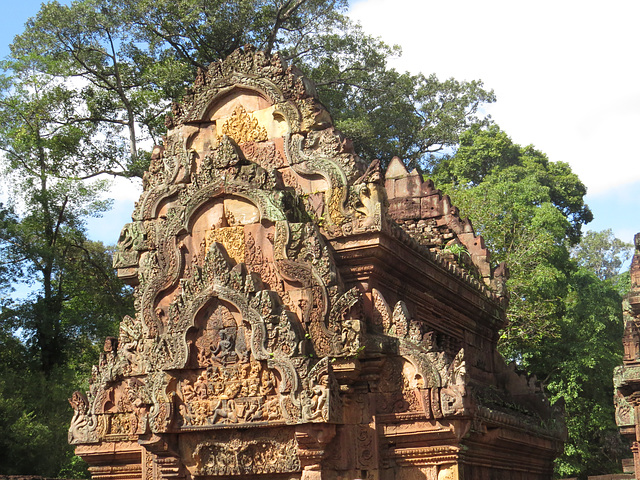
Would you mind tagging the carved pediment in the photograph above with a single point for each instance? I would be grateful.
(282, 316)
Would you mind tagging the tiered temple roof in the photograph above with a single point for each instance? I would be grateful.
(299, 314)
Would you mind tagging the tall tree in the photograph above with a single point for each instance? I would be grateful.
(74, 298)
(530, 211)
(137, 56)
(87, 47)
(602, 253)
(565, 318)
(44, 153)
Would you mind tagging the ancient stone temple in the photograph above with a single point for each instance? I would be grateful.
(299, 315)
(626, 378)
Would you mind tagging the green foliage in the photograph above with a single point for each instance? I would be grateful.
(577, 368)
(42, 235)
(513, 197)
(48, 337)
(489, 156)
(34, 413)
(457, 250)
(386, 113)
(603, 254)
(134, 57)
(565, 318)
(86, 42)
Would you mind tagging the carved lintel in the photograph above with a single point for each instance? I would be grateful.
(247, 454)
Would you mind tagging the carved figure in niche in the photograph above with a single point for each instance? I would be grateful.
(282, 336)
(131, 342)
(108, 365)
(225, 350)
(400, 320)
(631, 338)
(220, 341)
(132, 401)
(381, 311)
(200, 386)
(624, 411)
(188, 391)
(155, 175)
(457, 372)
(371, 194)
(416, 331)
(268, 383)
(314, 400)
(350, 335)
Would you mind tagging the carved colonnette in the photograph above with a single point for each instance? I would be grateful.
(289, 322)
(626, 378)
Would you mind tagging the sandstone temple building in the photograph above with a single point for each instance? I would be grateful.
(626, 378)
(300, 314)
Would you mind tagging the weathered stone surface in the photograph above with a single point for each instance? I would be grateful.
(297, 315)
(626, 378)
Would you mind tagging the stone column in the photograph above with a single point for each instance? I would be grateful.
(312, 440)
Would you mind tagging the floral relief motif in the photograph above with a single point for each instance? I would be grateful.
(243, 128)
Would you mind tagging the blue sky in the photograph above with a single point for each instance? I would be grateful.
(565, 73)
(14, 15)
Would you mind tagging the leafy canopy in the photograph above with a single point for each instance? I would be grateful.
(529, 211)
(72, 296)
(132, 58)
(565, 318)
(603, 254)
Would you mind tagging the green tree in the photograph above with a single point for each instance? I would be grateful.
(86, 47)
(565, 318)
(44, 154)
(48, 338)
(603, 254)
(137, 56)
(530, 211)
(576, 368)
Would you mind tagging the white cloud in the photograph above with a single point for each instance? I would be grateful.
(565, 72)
(126, 190)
